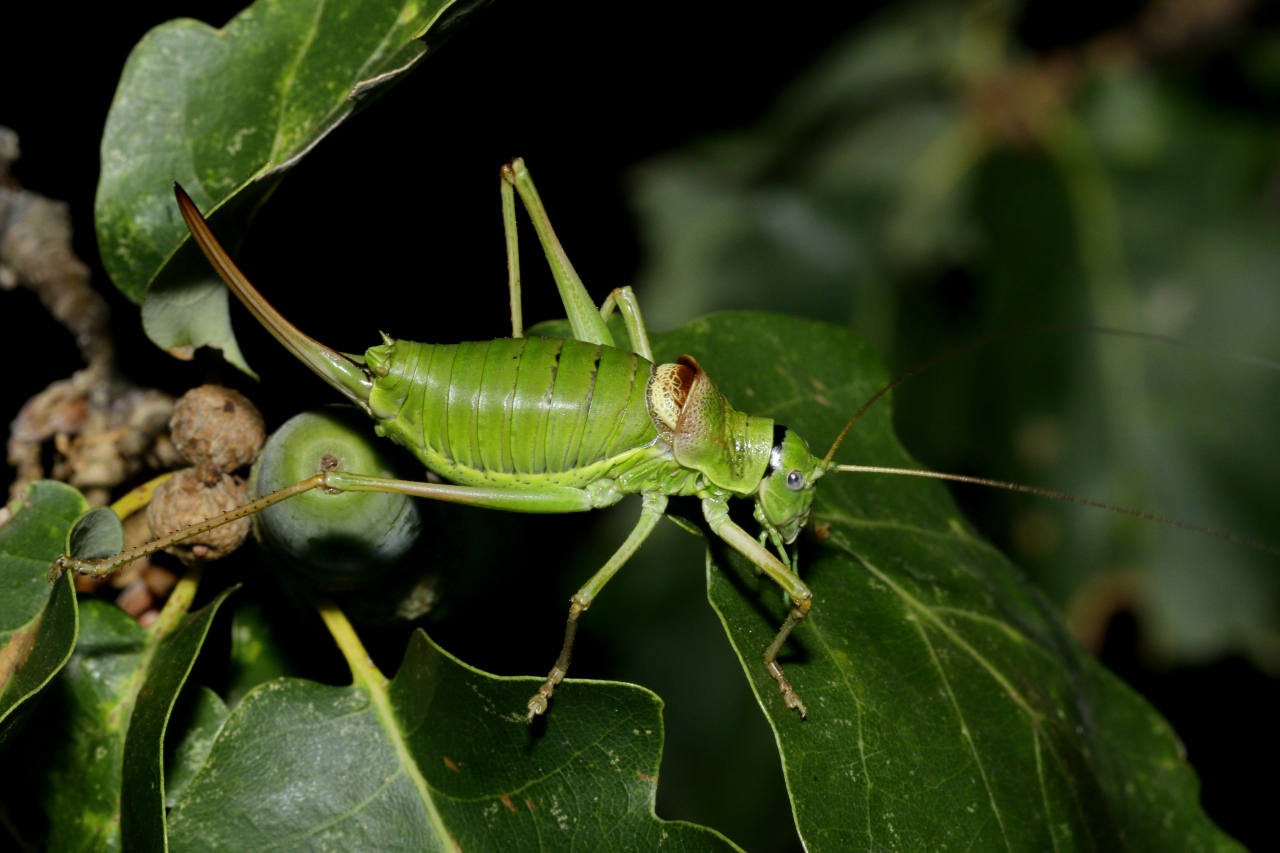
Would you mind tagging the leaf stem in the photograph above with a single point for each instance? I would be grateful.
(136, 499)
(363, 669)
(368, 677)
(178, 604)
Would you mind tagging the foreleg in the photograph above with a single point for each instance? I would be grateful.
(717, 515)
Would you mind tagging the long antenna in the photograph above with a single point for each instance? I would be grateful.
(986, 340)
(1217, 532)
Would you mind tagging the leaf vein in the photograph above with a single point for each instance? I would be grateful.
(964, 730)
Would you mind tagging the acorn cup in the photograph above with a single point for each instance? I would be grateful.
(336, 540)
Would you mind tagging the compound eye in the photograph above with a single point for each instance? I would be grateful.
(795, 481)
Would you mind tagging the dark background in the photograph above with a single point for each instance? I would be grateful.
(394, 223)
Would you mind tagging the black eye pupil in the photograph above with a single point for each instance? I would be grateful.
(795, 480)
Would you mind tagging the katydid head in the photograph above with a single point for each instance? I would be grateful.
(786, 490)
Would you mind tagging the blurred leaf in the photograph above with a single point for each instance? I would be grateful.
(256, 654)
(143, 796)
(1190, 434)
(438, 759)
(855, 174)
(38, 620)
(226, 113)
(94, 697)
(903, 185)
(947, 704)
(113, 702)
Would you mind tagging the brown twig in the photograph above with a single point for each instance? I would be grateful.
(103, 428)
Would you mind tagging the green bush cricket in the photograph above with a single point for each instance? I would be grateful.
(550, 426)
(546, 425)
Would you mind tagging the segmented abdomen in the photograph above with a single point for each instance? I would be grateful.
(513, 406)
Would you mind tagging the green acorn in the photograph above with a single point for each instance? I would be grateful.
(337, 540)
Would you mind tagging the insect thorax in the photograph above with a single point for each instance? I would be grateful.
(706, 433)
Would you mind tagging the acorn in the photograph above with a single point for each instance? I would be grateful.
(216, 425)
(190, 496)
(337, 540)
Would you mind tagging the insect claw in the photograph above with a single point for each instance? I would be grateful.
(792, 699)
(789, 695)
(538, 704)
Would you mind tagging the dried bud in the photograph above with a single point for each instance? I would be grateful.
(217, 425)
(187, 498)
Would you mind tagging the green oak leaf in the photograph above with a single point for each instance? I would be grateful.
(96, 534)
(207, 715)
(38, 622)
(948, 707)
(90, 703)
(142, 796)
(439, 758)
(113, 702)
(227, 113)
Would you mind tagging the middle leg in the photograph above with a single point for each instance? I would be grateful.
(655, 504)
(624, 299)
